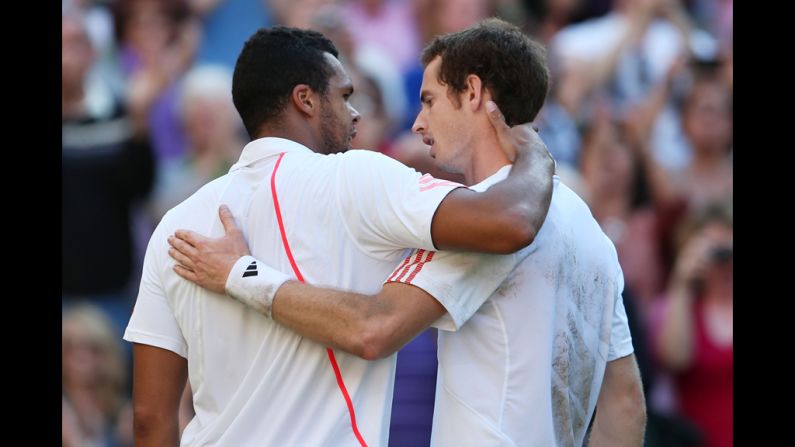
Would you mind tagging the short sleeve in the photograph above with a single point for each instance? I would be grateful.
(152, 321)
(461, 282)
(387, 205)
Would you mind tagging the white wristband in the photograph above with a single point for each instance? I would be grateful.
(254, 284)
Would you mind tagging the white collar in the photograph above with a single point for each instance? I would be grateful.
(266, 147)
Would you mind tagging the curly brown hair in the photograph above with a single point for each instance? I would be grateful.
(510, 64)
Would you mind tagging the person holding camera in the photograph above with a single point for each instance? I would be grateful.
(694, 331)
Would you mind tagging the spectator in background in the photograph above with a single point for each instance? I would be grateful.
(70, 428)
(106, 167)
(627, 52)
(619, 200)
(707, 121)
(214, 132)
(373, 130)
(693, 324)
(94, 377)
(157, 40)
(100, 29)
(296, 13)
(715, 16)
(226, 24)
(561, 118)
(376, 79)
(632, 195)
(389, 25)
(547, 17)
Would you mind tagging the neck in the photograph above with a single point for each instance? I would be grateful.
(291, 128)
(485, 158)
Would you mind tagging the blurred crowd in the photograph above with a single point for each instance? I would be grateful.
(638, 119)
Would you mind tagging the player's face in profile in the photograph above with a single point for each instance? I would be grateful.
(441, 122)
(338, 118)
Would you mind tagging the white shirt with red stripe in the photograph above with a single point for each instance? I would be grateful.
(348, 219)
(524, 345)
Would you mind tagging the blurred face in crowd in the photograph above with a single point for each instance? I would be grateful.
(455, 15)
(708, 117)
(372, 130)
(607, 161)
(616, 164)
(442, 122)
(148, 28)
(77, 54)
(338, 118)
(209, 119)
(330, 21)
(82, 354)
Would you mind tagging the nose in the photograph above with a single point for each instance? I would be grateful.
(419, 125)
(354, 114)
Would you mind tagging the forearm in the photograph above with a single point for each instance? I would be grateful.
(156, 431)
(363, 325)
(675, 341)
(186, 410)
(602, 71)
(527, 191)
(370, 327)
(503, 219)
(335, 318)
(621, 407)
(615, 428)
(158, 381)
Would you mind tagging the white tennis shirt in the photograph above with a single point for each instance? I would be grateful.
(348, 219)
(527, 367)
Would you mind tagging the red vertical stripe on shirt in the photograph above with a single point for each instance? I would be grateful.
(300, 277)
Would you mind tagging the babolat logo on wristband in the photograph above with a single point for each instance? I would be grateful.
(251, 270)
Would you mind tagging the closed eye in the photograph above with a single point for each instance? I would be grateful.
(348, 93)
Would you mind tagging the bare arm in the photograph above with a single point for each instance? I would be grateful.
(640, 124)
(584, 76)
(621, 408)
(159, 377)
(506, 217)
(675, 341)
(674, 344)
(370, 327)
(186, 411)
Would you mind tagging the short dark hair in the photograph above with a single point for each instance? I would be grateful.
(511, 65)
(273, 61)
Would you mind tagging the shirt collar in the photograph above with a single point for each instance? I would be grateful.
(502, 174)
(266, 147)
